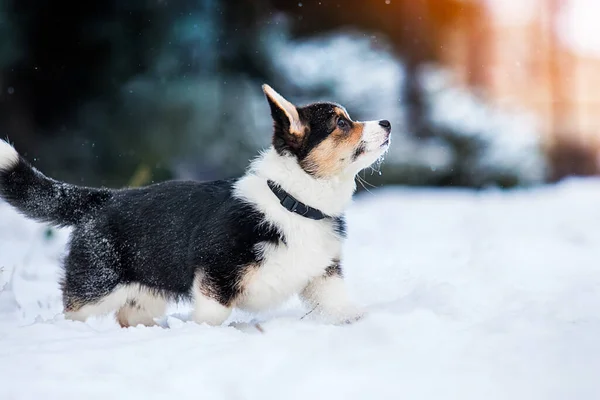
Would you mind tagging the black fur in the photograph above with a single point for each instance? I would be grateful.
(45, 200)
(158, 236)
(340, 226)
(335, 269)
(318, 121)
(358, 152)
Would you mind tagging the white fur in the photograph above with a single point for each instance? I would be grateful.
(150, 306)
(207, 310)
(332, 196)
(373, 136)
(8, 156)
(310, 245)
(328, 297)
(140, 315)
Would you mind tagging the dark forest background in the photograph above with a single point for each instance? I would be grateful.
(128, 92)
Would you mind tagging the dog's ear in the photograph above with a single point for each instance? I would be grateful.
(285, 116)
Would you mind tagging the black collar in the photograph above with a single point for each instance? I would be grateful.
(291, 204)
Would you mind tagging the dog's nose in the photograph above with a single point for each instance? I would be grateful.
(386, 124)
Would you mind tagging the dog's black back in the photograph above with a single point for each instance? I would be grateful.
(160, 236)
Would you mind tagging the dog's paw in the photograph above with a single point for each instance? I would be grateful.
(344, 315)
(349, 315)
(353, 319)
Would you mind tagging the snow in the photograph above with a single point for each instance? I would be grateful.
(472, 295)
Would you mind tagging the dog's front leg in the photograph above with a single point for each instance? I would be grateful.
(327, 296)
(209, 307)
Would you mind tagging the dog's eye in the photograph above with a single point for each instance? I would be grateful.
(342, 123)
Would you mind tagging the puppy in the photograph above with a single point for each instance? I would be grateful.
(250, 242)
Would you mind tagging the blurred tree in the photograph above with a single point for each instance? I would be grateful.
(413, 27)
(109, 87)
(72, 52)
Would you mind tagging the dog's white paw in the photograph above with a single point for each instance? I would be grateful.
(352, 316)
(344, 316)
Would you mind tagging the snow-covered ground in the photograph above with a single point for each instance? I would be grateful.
(490, 295)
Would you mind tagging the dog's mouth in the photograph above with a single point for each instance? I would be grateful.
(360, 150)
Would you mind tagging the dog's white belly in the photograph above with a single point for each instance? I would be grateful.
(287, 269)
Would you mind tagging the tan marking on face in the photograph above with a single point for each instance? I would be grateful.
(334, 154)
(342, 112)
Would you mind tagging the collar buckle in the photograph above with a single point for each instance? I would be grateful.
(290, 203)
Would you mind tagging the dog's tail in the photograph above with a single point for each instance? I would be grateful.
(41, 198)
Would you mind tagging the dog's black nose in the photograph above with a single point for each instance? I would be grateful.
(386, 124)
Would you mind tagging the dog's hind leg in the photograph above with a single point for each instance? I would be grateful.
(141, 309)
(82, 301)
(81, 309)
(92, 283)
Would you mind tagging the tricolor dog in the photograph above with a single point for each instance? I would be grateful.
(250, 242)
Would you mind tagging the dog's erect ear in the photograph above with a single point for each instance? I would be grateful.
(286, 118)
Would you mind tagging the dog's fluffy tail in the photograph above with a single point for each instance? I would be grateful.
(41, 198)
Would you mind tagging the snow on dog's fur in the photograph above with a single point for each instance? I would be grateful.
(223, 244)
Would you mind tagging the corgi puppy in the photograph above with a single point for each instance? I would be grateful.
(250, 242)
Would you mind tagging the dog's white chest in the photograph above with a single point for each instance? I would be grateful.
(287, 268)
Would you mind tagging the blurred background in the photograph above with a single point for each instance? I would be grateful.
(480, 92)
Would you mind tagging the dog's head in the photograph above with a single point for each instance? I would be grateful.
(324, 139)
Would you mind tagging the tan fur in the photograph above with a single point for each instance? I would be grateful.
(73, 306)
(133, 314)
(136, 305)
(123, 316)
(248, 276)
(141, 309)
(333, 154)
(342, 111)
